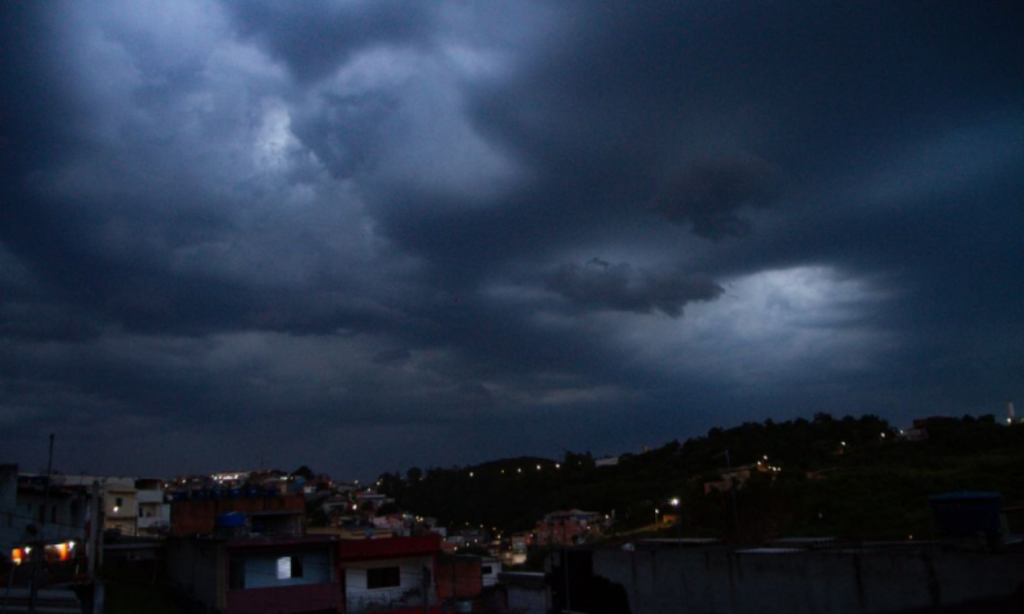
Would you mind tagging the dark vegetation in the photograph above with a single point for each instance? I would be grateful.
(873, 487)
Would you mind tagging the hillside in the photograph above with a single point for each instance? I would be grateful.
(852, 478)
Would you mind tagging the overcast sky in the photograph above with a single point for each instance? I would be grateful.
(368, 235)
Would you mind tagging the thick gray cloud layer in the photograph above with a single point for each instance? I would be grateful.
(365, 235)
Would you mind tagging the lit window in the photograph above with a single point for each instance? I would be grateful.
(289, 567)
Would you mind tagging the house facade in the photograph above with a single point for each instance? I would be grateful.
(568, 527)
(286, 575)
(393, 575)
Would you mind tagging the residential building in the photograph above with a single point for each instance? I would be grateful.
(130, 506)
(733, 478)
(524, 593)
(389, 575)
(281, 574)
(459, 577)
(490, 567)
(265, 513)
(29, 512)
(568, 527)
(154, 515)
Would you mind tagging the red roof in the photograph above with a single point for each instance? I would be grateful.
(388, 548)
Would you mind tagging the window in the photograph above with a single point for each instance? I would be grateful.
(289, 567)
(383, 577)
(486, 570)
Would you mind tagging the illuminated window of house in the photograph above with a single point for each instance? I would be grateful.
(289, 567)
(383, 577)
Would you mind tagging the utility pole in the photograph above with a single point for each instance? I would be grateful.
(94, 530)
(39, 552)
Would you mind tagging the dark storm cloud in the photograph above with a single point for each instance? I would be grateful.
(709, 194)
(315, 38)
(347, 224)
(597, 284)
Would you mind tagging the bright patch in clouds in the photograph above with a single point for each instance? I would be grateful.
(767, 325)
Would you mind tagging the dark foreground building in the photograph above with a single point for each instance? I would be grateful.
(677, 576)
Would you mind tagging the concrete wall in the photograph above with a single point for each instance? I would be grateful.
(528, 600)
(198, 569)
(458, 576)
(661, 580)
(286, 599)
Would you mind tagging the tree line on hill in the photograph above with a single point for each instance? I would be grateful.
(850, 478)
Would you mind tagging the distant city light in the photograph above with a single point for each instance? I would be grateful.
(675, 502)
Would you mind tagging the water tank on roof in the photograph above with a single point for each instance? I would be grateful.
(967, 513)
